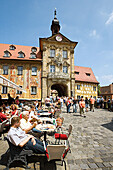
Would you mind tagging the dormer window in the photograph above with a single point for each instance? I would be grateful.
(33, 49)
(12, 47)
(21, 54)
(88, 74)
(76, 72)
(32, 55)
(7, 54)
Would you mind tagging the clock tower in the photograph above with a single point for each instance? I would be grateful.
(57, 53)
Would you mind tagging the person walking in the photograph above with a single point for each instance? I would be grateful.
(92, 102)
(74, 105)
(86, 104)
(82, 107)
(68, 105)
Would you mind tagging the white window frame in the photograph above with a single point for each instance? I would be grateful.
(64, 53)
(33, 90)
(65, 69)
(52, 52)
(5, 70)
(52, 68)
(20, 72)
(4, 89)
(34, 71)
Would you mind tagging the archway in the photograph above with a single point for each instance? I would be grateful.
(61, 89)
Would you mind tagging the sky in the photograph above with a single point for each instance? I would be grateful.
(88, 22)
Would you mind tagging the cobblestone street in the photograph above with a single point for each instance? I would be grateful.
(91, 141)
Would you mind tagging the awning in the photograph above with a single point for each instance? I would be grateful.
(5, 82)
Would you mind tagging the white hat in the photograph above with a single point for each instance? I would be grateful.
(25, 112)
(26, 107)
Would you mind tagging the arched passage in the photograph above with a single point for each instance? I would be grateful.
(61, 89)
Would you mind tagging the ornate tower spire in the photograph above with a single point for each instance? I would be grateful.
(55, 27)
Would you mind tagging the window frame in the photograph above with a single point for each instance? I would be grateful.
(65, 54)
(32, 91)
(34, 73)
(94, 88)
(33, 55)
(78, 97)
(52, 68)
(52, 54)
(5, 70)
(4, 89)
(18, 91)
(21, 53)
(78, 85)
(7, 54)
(65, 69)
(20, 70)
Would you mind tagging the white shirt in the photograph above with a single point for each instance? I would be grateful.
(16, 135)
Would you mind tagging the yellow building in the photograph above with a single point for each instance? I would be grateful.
(86, 84)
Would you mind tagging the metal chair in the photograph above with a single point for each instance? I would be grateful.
(17, 153)
(4, 127)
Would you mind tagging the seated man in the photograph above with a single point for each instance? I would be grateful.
(18, 137)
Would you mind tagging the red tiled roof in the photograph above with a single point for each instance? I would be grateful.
(83, 74)
(14, 53)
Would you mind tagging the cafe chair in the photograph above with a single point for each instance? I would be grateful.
(57, 153)
(17, 153)
(64, 136)
(4, 127)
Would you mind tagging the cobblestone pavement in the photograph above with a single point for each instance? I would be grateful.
(91, 141)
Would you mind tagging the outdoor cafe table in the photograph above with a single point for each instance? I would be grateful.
(46, 128)
(44, 114)
(44, 120)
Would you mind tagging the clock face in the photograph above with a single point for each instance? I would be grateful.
(58, 38)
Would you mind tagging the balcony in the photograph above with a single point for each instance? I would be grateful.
(58, 75)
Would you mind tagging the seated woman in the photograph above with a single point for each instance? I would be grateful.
(18, 137)
(3, 116)
(14, 110)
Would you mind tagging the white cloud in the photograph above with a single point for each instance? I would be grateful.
(94, 34)
(110, 19)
